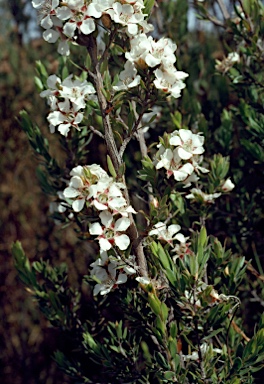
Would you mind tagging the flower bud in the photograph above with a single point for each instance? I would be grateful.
(228, 185)
(106, 20)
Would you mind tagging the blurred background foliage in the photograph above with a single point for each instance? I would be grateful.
(227, 108)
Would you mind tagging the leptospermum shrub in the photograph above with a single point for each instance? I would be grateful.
(163, 297)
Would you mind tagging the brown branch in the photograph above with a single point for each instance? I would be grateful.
(254, 271)
(96, 132)
(98, 82)
(239, 330)
(114, 154)
(214, 20)
(223, 9)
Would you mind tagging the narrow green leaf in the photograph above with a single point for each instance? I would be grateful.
(111, 167)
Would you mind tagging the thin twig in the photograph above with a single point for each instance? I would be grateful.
(143, 147)
(96, 132)
(214, 20)
(120, 120)
(136, 128)
(256, 298)
(254, 271)
(111, 39)
(98, 82)
(140, 132)
(239, 330)
(223, 9)
(124, 145)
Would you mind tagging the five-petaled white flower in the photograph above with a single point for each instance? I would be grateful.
(105, 270)
(171, 161)
(168, 234)
(109, 232)
(128, 78)
(187, 143)
(80, 186)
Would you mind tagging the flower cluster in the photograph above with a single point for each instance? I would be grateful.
(157, 55)
(181, 156)
(111, 271)
(92, 186)
(67, 101)
(69, 19)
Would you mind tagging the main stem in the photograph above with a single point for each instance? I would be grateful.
(114, 154)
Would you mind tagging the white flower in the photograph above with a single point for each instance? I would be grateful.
(76, 91)
(66, 114)
(233, 57)
(143, 280)
(198, 193)
(128, 15)
(107, 194)
(161, 52)
(145, 51)
(182, 249)
(204, 348)
(187, 143)
(127, 78)
(80, 186)
(63, 48)
(109, 233)
(228, 185)
(228, 62)
(77, 16)
(105, 270)
(51, 36)
(140, 46)
(170, 82)
(129, 265)
(168, 234)
(171, 161)
(65, 117)
(196, 161)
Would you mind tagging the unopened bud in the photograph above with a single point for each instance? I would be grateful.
(228, 185)
(106, 20)
(141, 63)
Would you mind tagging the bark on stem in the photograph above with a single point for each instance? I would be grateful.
(114, 155)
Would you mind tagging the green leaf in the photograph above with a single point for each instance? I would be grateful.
(164, 311)
(202, 238)
(65, 73)
(169, 375)
(146, 352)
(111, 167)
(149, 4)
(173, 329)
(155, 303)
(177, 119)
(38, 84)
(22, 265)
